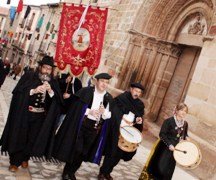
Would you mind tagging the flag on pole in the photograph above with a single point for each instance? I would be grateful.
(48, 26)
(20, 6)
(79, 45)
(12, 12)
(28, 9)
(40, 22)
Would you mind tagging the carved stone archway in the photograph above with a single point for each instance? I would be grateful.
(162, 44)
(154, 51)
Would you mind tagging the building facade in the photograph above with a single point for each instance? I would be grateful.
(169, 47)
(166, 45)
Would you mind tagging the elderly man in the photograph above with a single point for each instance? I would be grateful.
(83, 132)
(33, 111)
(126, 103)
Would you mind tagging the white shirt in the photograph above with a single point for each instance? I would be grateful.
(97, 100)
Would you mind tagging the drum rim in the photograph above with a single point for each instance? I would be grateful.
(125, 149)
(199, 158)
(132, 128)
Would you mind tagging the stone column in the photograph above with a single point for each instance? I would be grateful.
(149, 66)
(125, 66)
(160, 81)
(153, 74)
(158, 90)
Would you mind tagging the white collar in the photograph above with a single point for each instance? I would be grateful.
(178, 123)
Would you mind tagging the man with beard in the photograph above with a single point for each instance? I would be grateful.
(126, 103)
(32, 115)
(4, 70)
(83, 132)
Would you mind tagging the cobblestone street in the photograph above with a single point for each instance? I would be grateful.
(45, 170)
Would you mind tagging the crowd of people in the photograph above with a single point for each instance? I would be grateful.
(57, 117)
(12, 69)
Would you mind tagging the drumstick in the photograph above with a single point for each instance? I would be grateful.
(67, 87)
(181, 151)
(127, 131)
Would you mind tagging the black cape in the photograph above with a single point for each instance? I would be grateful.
(14, 136)
(4, 71)
(121, 105)
(66, 137)
(63, 86)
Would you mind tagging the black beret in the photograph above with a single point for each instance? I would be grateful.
(137, 85)
(47, 60)
(103, 76)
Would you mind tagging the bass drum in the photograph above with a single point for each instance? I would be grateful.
(187, 154)
(129, 138)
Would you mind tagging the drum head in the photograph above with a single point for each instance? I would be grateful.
(131, 134)
(191, 156)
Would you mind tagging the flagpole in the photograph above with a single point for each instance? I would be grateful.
(92, 5)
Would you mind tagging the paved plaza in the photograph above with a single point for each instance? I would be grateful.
(39, 170)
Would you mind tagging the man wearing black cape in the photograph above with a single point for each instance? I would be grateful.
(83, 132)
(125, 103)
(32, 115)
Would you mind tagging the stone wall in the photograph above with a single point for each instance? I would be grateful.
(201, 95)
(146, 58)
(120, 19)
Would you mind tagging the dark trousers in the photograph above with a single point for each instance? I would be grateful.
(33, 128)
(15, 76)
(111, 161)
(86, 139)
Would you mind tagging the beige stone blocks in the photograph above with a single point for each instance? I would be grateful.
(208, 76)
(204, 113)
(212, 63)
(199, 91)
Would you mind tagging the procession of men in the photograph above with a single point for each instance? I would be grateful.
(57, 118)
(62, 116)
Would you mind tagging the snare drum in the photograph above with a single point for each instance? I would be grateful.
(187, 154)
(129, 138)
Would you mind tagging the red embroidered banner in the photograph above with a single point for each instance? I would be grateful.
(80, 49)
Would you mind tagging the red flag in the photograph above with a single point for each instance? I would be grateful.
(80, 49)
(20, 6)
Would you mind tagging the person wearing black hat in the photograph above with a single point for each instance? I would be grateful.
(124, 104)
(82, 134)
(34, 107)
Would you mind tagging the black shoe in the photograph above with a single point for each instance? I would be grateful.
(101, 176)
(108, 177)
(73, 177)
(68, 177)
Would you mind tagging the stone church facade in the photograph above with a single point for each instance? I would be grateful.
(168, 46)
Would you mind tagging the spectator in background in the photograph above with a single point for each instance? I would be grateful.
(29, 67)
(17, 70)
(4, 70)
